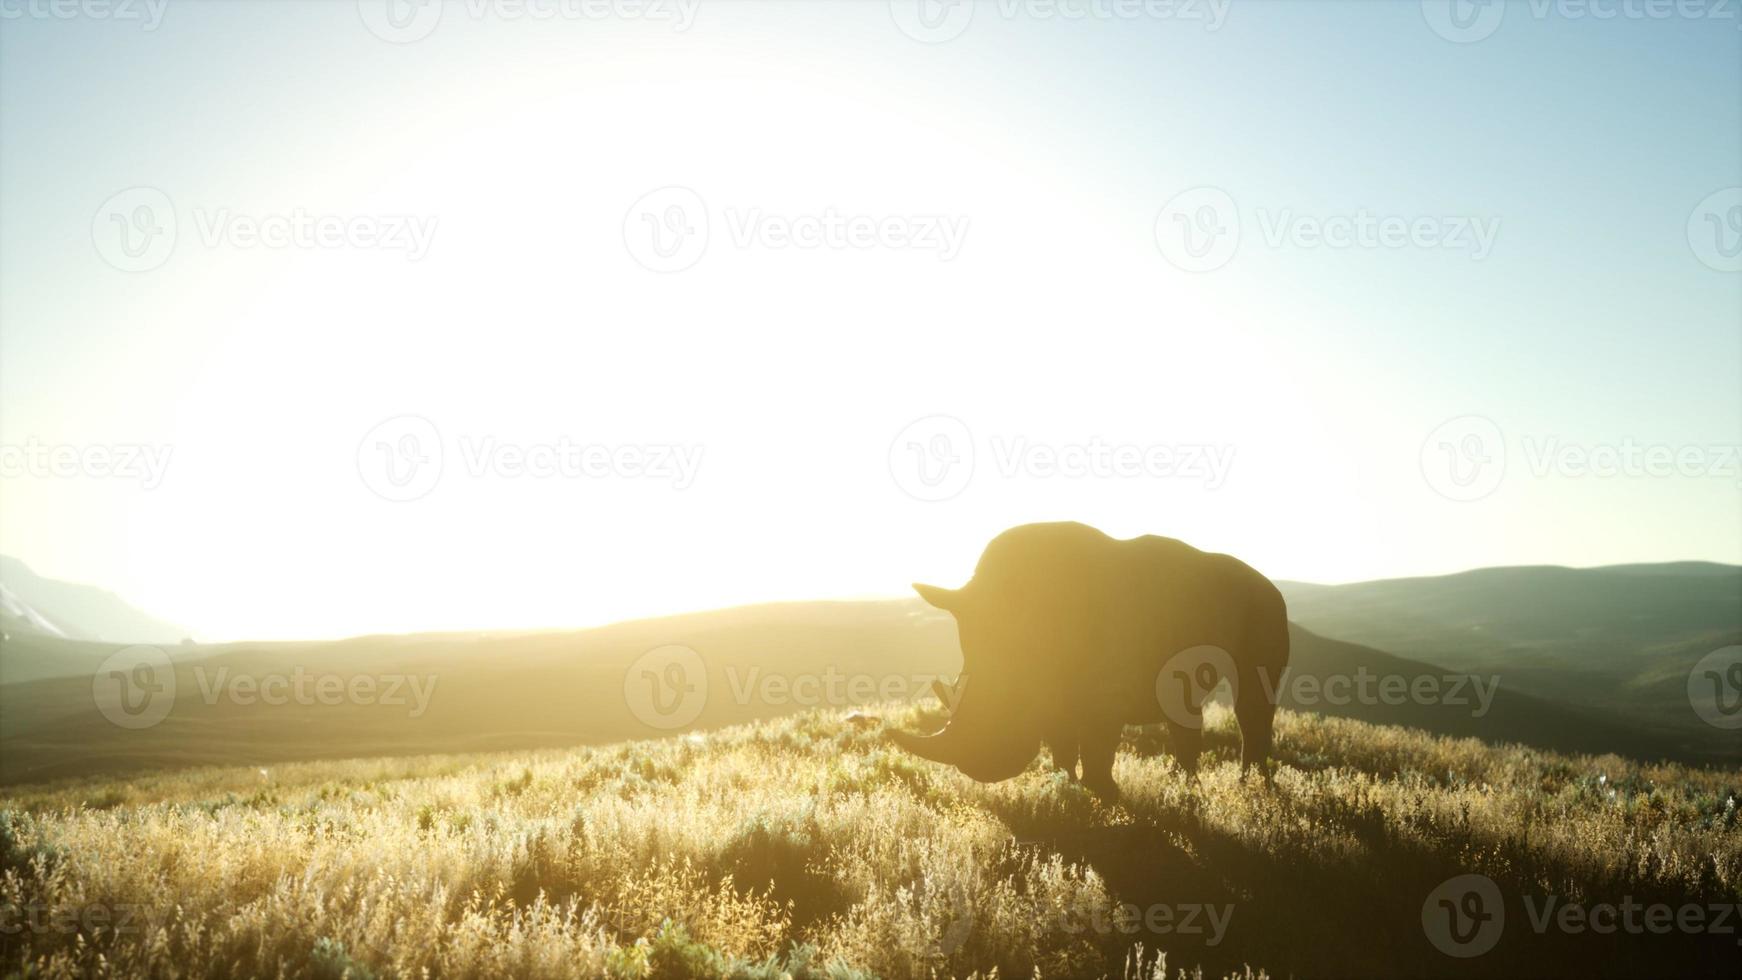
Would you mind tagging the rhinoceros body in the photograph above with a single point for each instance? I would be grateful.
(1068, 635)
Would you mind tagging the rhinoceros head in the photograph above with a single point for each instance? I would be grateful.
(993, 732)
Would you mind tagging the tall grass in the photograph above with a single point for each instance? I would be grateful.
(806, 848)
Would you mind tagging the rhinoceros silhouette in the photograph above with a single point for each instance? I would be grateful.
(1068, 635)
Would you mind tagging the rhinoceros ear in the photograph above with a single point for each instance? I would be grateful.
(948, 600)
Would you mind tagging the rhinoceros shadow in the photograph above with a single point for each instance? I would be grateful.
(1354, 911)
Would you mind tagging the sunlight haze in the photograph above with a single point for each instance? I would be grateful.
(907, 240)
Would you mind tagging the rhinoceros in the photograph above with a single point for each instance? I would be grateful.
(1068, 635)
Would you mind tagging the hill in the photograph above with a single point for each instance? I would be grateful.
(485, 692)
(805, 847)
(1618, 640)
(31, 605)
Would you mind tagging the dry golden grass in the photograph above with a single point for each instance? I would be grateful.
(803, 847)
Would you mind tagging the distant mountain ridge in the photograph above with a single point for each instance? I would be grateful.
(491, 691)
(1586, 660)
(33, 604)
(1619, 639)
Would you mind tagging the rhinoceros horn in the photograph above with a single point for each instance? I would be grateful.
(981, 745)
(987, 759)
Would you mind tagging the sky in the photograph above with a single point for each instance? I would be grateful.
(321, 318)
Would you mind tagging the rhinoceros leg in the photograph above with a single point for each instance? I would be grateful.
(1256, 712)
(1061, 743)
(1185, 742)
(1099, 743)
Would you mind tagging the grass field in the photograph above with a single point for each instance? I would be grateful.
(806, 847)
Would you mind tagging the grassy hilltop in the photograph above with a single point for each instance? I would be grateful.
(805, 847)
